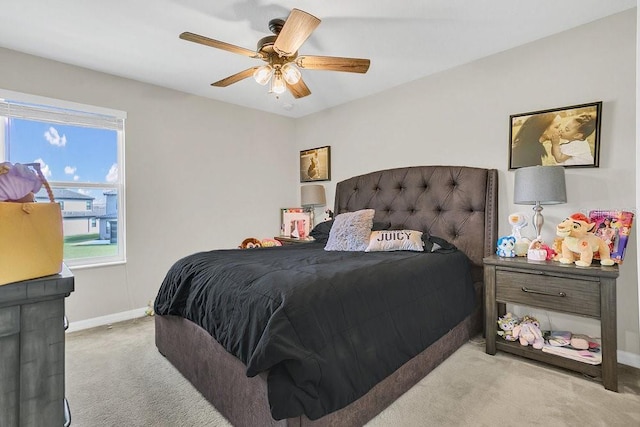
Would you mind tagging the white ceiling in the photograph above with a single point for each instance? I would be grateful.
(405, 39)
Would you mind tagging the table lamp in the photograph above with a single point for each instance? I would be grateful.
(539, 185)
(312, 196)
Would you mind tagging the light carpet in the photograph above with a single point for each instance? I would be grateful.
(115, 376)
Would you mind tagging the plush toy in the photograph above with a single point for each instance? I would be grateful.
(579, 240)
(250, 243)
(269, 243)
(506, 246)
(539, 251)
(528, 332)
(506, 324)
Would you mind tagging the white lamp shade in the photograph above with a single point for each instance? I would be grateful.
(540, 184)
(312, 195)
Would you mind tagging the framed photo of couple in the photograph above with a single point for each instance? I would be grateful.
(567, 136)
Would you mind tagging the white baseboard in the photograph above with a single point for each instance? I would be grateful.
(106, 320)
(629, 359)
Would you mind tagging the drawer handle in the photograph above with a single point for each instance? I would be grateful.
(552, 294)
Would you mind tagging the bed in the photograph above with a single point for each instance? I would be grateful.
(283, 358)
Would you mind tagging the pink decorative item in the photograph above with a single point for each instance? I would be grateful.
(538, 251)
(18, 182)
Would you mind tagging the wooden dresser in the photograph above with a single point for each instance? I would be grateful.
(32, 326)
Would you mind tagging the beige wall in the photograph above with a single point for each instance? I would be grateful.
(200, 175)
(461, 116)
(203, 175)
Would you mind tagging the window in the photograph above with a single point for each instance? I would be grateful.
(81, 152)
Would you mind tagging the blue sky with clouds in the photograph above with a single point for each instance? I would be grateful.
(66, 153)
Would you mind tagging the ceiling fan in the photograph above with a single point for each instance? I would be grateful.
(280, 52)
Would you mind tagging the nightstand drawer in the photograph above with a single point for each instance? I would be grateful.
(543, 290)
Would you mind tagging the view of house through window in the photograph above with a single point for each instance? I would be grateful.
(81, 156)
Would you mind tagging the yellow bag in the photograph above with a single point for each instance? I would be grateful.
(30, 239)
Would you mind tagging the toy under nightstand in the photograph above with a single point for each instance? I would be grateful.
(565, 288)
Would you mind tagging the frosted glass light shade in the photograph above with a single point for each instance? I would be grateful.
(291, 73)
(263, 74)
(277, 83)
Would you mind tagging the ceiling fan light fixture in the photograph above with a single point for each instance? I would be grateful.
(277, 83)
(291, 73)
(263, 74)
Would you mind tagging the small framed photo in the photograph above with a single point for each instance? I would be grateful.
(295, 222)
(567, 136)
(315, 164)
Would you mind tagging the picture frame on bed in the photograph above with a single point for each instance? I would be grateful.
(295, 222)
(567, 136)
(315, 164)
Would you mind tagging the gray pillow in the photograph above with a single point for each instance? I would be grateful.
(351, 231)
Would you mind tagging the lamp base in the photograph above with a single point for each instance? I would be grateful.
(538, 220)
(312, 217)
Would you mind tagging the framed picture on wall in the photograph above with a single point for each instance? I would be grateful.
(567, 136)
(315, 164)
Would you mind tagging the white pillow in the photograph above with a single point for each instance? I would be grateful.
(350, 231)
(395, 240)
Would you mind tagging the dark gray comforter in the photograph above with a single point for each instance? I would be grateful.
(327, 325)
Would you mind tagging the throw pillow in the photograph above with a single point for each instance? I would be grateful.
(321, 231)
(350, 231)
(395, 240)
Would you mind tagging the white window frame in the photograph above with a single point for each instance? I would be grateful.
(33, 107)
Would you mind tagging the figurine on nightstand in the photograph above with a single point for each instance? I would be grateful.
(506, 245)
(328, 215)
(518, 221)
(538, 251)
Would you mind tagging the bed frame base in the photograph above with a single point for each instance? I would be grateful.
(222, 380)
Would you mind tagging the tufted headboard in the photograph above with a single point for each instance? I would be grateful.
(457, 203)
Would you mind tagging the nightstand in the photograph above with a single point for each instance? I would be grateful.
(293, 240)
(581, 291)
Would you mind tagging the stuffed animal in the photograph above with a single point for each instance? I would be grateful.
(506, 246)
(539, 251)
(269, 243)
(580, 241)
(528, 332)
(250, 243)
(506, 324)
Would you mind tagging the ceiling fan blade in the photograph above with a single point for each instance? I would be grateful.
(296, 29)
(299, 90)
(219, 45)
(333, 63)
(235, 78)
